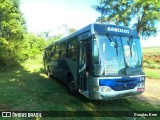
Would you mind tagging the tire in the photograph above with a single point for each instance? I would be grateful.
(71, 86)
(49, 73)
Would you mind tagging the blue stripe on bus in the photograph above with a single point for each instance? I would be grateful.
(118, 84)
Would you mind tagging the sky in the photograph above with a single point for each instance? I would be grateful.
(50, 15)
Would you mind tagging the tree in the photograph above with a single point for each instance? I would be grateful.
(45, 34)
(54, 38)
(64, 30)
(33, 46)
(143, 15)
(68, 29)
(12, 29)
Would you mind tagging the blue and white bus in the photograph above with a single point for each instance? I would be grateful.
(100, 61)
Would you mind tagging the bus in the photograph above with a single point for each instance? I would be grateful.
(100, 61)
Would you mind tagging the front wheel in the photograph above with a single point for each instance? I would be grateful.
(71, 86)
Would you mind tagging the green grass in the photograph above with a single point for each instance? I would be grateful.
(29, 89)
(151, 62)
(151, 51)
(152, 73)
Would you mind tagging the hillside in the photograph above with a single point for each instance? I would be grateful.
(151, 62)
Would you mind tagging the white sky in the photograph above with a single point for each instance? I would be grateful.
(49, 15)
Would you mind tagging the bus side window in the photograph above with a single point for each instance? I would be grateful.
(52, 51)
(56, 52)
(62, 52)
(49, 53)
(72, 49)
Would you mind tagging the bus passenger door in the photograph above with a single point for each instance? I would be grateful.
(82, 83)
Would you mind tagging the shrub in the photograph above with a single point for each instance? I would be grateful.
(152, 66)
(150, 61)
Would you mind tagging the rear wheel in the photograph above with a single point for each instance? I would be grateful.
(71, 85)
(49, 72)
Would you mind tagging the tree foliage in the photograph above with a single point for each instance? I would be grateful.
(64, 30)
(67, 29)
(16, 44)
(54, 38)
(143, 15)
(12, 29)
(33, 46)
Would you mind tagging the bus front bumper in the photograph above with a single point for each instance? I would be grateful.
(109, 94)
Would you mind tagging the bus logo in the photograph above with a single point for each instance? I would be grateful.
(125, 85)
(119, 30)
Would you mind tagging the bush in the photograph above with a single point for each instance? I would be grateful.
(152, 66)
(149, 61)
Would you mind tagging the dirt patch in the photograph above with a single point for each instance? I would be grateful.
(151, 100)
(155, 58)
(152, 92)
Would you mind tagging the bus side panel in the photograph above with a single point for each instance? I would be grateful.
(61, 68)
(72, 64)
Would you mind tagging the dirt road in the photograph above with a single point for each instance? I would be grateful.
(152, 92)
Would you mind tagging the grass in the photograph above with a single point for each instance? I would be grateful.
(151, 51)
(151, 62)
(152, 73)
(29, 89)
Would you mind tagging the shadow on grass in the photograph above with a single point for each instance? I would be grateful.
(23, 90)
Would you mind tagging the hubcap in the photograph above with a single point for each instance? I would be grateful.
(72, 86)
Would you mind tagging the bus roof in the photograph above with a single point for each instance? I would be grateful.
(101, 29)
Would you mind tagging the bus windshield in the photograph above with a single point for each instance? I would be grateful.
(112, 55)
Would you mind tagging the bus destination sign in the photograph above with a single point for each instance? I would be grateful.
(118, 30)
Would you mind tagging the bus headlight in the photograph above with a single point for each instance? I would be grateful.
(96, 88)
(104, 89)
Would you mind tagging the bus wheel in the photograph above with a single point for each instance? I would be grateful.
(49, 73)
(71, 86)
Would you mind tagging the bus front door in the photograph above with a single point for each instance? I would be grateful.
(82, 68)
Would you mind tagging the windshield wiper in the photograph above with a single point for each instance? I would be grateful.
(113, 40)
(129, 42)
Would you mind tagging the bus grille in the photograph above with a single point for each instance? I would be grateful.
(124, 87)
(120, 84)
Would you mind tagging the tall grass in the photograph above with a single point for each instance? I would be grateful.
(151, 62)
(152, 73)
(149, 51)
(33, 65)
